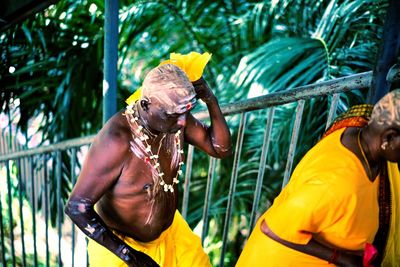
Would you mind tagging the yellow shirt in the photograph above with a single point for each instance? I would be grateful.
(329, 197)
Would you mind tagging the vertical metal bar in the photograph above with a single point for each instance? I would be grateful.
(4, 141)
(293, 142)
(3, 246)
(73, 180)
(261, 168)
(332, 109)
(10, 213)
(21, 214)
(207, 200)
(46, 208)
(58, 201)
(388, 53)
(9, 147)
(26, 166)
(9, 193)
(87, 253)
(17, 147)
(232, 186)
(110, 59)
(33, 204)
(188, 175)
(2, 152)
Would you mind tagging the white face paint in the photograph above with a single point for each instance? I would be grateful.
(170, 96)
(169, 86)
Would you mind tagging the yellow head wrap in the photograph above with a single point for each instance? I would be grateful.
(192, 64)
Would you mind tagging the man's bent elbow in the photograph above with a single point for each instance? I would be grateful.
(70, 211)
(76, 208)
(223, 152)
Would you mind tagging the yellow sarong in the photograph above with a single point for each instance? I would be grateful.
(392, 252)
(177, 246)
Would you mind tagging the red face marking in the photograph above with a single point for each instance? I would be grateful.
(188, 106)
(147, 159)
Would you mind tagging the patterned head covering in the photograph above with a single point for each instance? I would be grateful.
(169, 86)
(165, 77)
(387, 111)
(191, 64)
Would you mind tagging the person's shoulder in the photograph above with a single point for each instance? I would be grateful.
(115, 132)
(331, 152)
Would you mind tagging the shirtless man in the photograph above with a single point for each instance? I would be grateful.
(132, 170)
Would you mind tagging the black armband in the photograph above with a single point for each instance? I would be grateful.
(82, 213)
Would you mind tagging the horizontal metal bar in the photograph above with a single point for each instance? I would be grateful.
(77, 142)
(339, 85)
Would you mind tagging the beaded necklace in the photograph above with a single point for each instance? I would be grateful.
(153, 159)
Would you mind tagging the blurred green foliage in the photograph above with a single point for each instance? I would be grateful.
(258, 47)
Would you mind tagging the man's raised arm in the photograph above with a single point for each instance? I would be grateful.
(215, 139)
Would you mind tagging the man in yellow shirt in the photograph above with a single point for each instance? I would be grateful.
(329, 210)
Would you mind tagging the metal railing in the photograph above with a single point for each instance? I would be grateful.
(35, 223)
(26, 177)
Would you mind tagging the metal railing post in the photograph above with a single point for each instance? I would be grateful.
(110, 59)
(232, 187)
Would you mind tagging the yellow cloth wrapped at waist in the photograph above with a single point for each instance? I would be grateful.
(176, 246)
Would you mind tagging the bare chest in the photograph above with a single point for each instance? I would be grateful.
(137, 204)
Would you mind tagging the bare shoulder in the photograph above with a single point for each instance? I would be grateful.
(115, 135)
(104, 161)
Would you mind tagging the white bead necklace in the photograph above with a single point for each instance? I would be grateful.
(153, 159)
